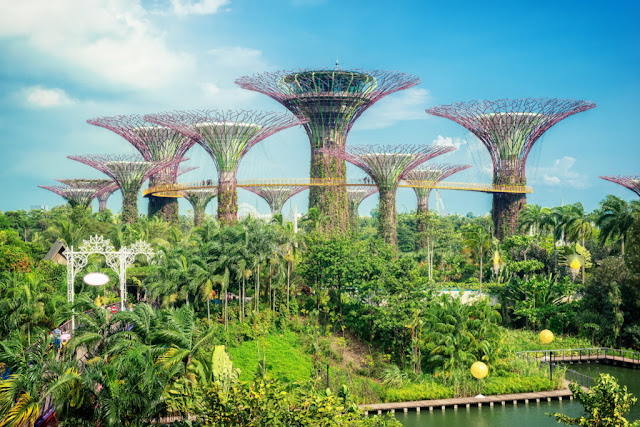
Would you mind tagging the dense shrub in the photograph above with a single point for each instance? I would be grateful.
(418, 392)
(509, 385)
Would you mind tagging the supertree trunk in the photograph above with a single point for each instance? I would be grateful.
(102, 201)
(198, 215)
(165, 208)
(387, 216)
(506, 206)
(353, 220)
(331, 200)
(130, 206)
(227, 199)
(422, 221)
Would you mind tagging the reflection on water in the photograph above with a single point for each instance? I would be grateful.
(522, 415)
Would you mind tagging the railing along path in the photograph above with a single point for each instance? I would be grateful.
(175, 190)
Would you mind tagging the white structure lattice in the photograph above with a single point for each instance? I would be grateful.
(117, 260)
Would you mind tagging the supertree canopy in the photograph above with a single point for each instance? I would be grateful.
(103, 188)
(432, 173)
(199, 199)
(128, 172)
(155, 143)
(276, 196)
(387, 166)
(330, 101)
(75, 196)
(632, 182)
(509, 128)
(227, 136)
(355, 196)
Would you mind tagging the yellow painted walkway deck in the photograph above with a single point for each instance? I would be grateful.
(175, 190)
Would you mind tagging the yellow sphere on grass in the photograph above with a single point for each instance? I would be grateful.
(479, 370)
(546, 336)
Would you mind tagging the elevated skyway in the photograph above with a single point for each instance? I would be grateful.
(176, 190)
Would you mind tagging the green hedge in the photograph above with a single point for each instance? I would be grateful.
(509, 385)
(418, 392)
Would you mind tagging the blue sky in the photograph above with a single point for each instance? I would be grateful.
(65, 61)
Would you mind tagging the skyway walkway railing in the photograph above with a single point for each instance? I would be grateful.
(583, 354)
(176, 190)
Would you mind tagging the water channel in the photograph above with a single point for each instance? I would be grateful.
(522, 415)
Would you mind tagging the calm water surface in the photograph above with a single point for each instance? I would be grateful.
(531, 415)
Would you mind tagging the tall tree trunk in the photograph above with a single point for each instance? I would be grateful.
(226, 309)
(243, 295)
(480, 269)
(258, 290)
(288, 285)
(584, 259)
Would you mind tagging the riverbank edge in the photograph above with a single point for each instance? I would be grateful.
(467, 402)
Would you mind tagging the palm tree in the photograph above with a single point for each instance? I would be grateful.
(223, 281)
(534, 219)
(578, 227)
(292, 243)
(178, 335)
(477, 239)
(616, 218)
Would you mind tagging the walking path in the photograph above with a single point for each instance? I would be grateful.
(456, 402)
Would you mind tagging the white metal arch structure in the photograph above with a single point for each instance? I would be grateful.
(117, 260)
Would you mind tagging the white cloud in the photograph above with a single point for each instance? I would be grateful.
(448, 141)
(559, 174)
(46, 98)
(106, 40)
(404, 105)
(202, 7)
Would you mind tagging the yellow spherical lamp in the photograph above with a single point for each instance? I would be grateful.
(479, 370)
(546, 336)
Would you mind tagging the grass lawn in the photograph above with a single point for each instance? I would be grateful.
(524, 340)
(286, 358)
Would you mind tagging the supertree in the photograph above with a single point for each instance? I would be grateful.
(355, 196)
(128, 172)
(330, 101)
(509, 128)
(199, 199)
(387, 165)
(632, 182)
(75, 196)
(103, 188)
(431, 173)
(227, 136)
(276, 196)
(155, 144)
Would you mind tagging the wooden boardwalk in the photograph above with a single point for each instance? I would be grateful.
(594, 358)
(467, 402)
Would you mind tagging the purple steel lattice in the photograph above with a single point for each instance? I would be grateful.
(510, 127)
(277, 196)
(387, 165)
(331, 101)
(433, 172)
(227, 136)
(75, 196)
(128, 172)
(632, 182)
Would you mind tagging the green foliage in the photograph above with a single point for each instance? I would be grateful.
(284, 354)
(418, 392)
(516, 384)
(605, 404)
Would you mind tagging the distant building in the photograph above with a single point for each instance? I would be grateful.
(42, 207)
